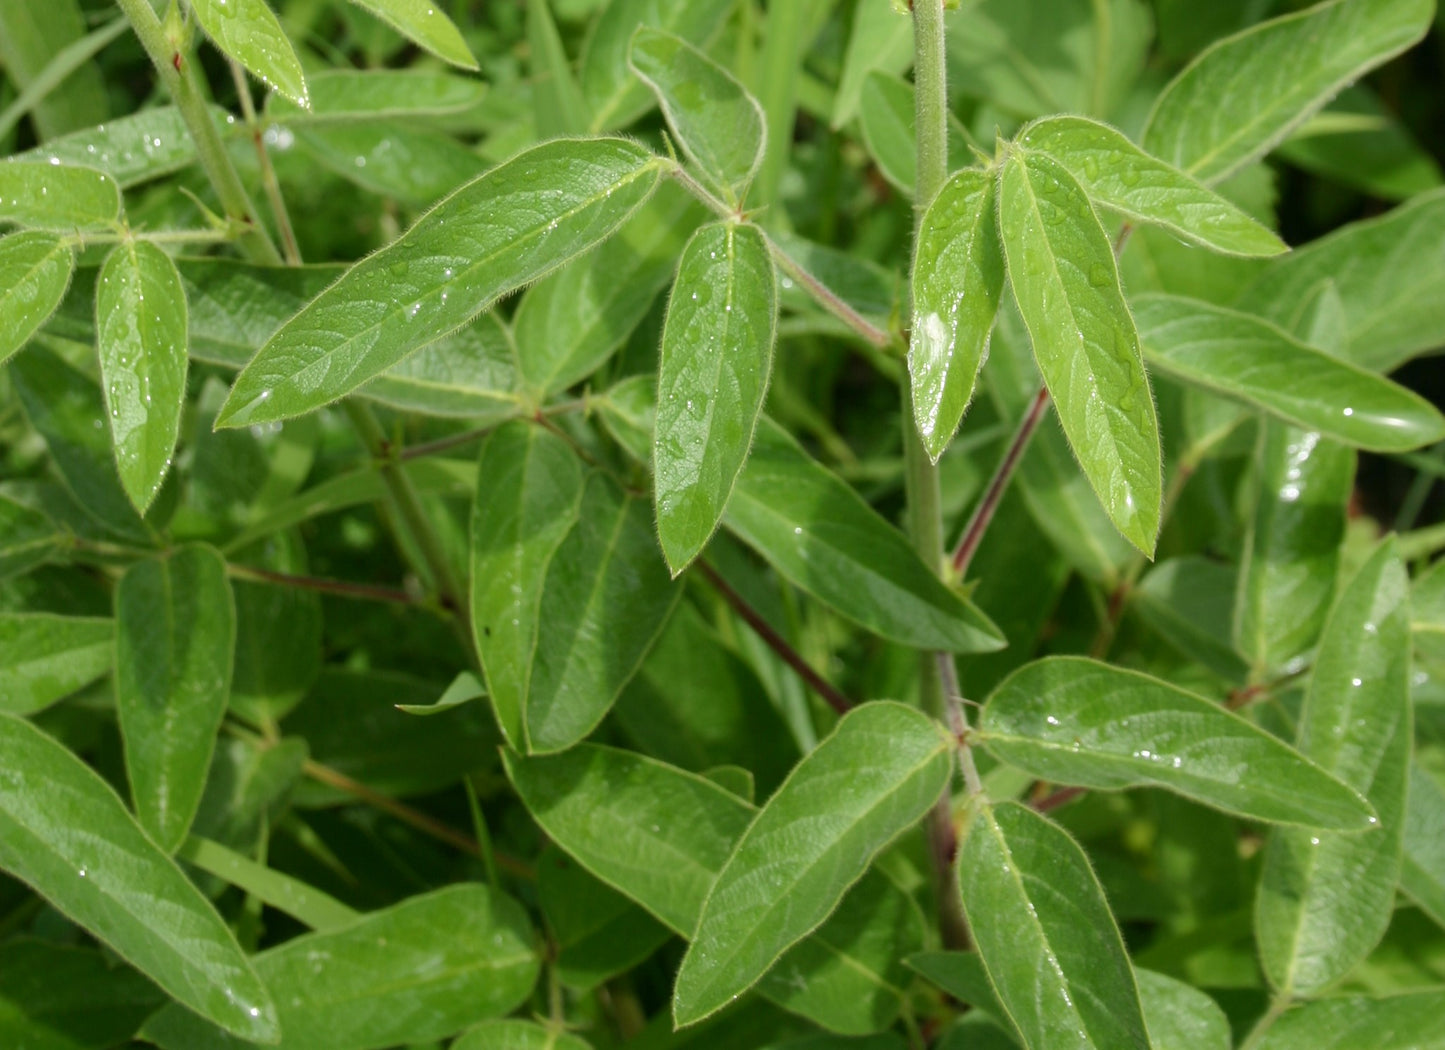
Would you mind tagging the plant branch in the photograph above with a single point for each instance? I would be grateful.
(345, 589)
(776, 642)
(177, 73)
(827, 298)
(978, 524)
(289, 246)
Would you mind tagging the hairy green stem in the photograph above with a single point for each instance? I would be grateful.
(289, 247)
(177, 74)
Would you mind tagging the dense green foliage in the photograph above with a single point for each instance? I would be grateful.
(566, 524)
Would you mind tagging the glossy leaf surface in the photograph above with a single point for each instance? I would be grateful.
(419, 970)
(717, 354)
(818, 533)
(1390, 1022)
(1243, 357)
(1066, 284)
(1325, 899)
(1120, 176)
(495, 234)
(249, 32)
(59, 197)
(424, 23)
(1243, 95)
(44, 657)
(1075, 721)
(1291, 554)
(35, 271)
(716, 121)
(140, 321)
(1045, 932)
(874, 777)
(64, 831)
(175, 625)
(958, 277)
(131, 150)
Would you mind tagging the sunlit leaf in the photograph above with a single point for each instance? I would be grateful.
(1076, 721)
(64, 831)
(131, 149)
(1245, 93)
(493, 235)
(1066, 284)
(717, 355)
(378, 94)
(44, 657)
(882, 39)
(1392, 1022)
(59, 197)
(426, 23)
(957, 280)
(1326, 898)
(35, 271)
(249, 32)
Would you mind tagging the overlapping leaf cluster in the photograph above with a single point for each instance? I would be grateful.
(523, 508)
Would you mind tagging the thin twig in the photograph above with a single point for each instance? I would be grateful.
(344, 588)
(828, 299)
(1057, 798)
(290, 248)
(776, 642)
(977, 526)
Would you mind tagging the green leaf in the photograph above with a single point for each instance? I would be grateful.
(717, 122)
(1325, 899)
(379, 94)
(1292, 551)
(27, 538)
(529, 490)
(425, 23)
(471, 374)
(617, 96)
(886, 117)
(35, 271)
(559, 105)
(875, 776)
(1383, 271)
(417, 971)
(958, 277)
(32, 36)
(59, 197)
(661, 836)
(717, 354)
(493, 235)
(570, 323)
(392, 158)
(1066, 284)
(1244, 95)
(1075, 721)
(44, 657)
(820, 535)
(1044, 929)
(1189, 601)
(465, 688)
(248, 31)
(175, 630)
(1120, 176)
(881, 40)
(66, 407)
(1422, 866)
(278, 646)
(1391, 1022)
(140, 321)
(1249, 359)
(131, 150)
(59, 997)
(304, 903)
(235, 306)
(1180, 1016)
(64, 831)
(516, 1035)
(250, 782)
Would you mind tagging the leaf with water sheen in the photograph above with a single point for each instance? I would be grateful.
(529, 489)
(59, 197)
(44, 657)
(957, 280)
(818, 533)
(1120, 176)
(660, 836)
(1243, 95)
(175, 623)
(132, 149)
(35, 271)
(140, 322)
(64, 831)
(1384, 271)
(1075, 721)
(1065, 281)
(870, 780)
(495, 234)
(414, 972)
(249, 32)
(1047, 937)
(517, 1035)
(717, 355)
(1325, 899)
(1292, 549)
(1390, 1022)
(424, 22)
(1250, 359)
(717, 122)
